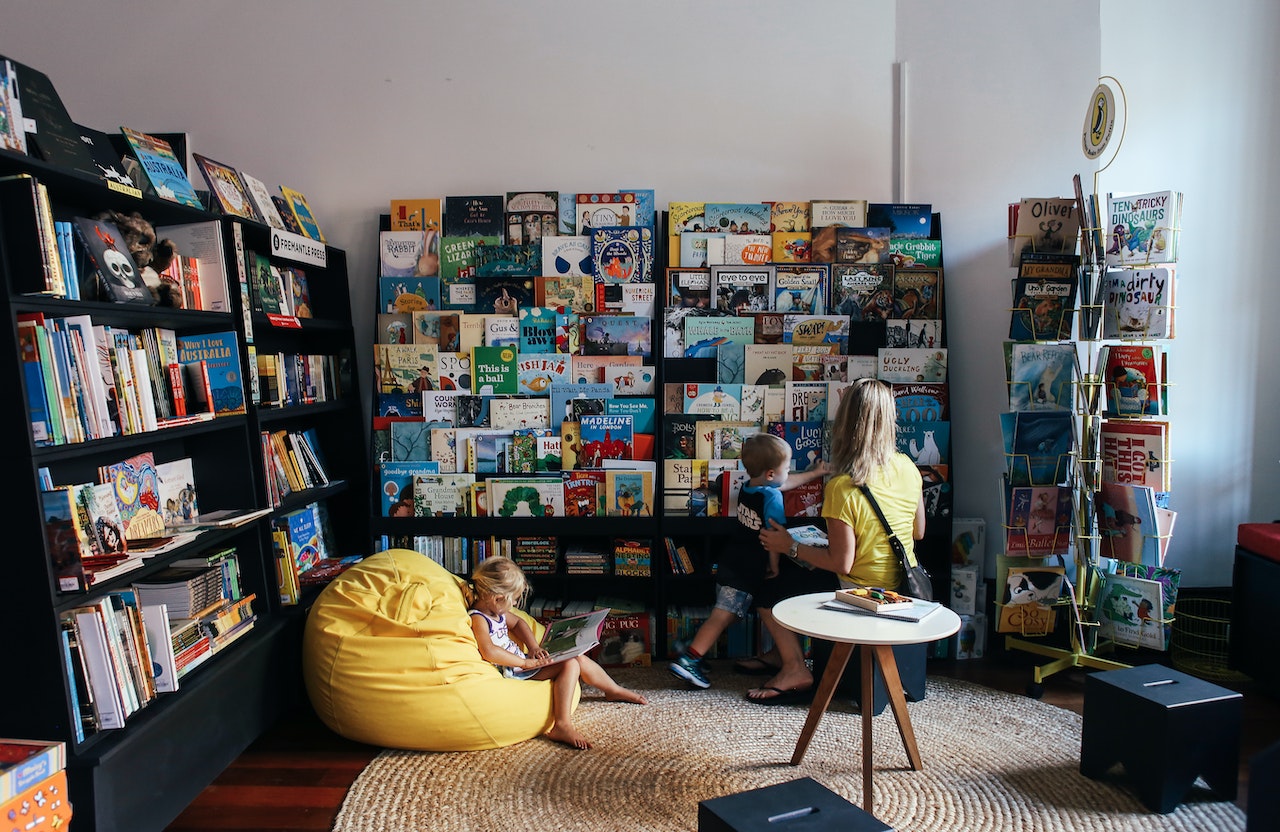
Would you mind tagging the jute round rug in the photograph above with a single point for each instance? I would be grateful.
(992, 761)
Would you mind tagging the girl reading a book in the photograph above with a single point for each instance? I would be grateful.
(863, 452)
(498, 585)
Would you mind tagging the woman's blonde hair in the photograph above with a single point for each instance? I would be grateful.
(864, 433)
(500, 576)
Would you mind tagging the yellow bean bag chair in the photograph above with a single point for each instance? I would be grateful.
(389, 659)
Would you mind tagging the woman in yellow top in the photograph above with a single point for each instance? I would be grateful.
(863, 451)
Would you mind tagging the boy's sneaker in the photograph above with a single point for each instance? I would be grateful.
(691, 670)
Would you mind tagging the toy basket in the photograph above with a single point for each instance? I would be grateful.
(1201, 639)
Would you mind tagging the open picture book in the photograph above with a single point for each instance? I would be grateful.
(568, 637)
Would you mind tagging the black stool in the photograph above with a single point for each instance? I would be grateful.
(1166, 727)
(803, 805)
(1264, 791)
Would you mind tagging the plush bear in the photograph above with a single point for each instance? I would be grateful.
(151, 256)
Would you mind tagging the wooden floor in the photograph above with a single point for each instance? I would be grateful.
(295, 777)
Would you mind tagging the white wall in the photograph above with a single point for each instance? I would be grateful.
(750, 100)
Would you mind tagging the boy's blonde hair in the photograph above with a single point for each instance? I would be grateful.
(864, 432)
(763, 452)
(501, 577)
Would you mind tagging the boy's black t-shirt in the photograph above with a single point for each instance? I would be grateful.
(743, 560)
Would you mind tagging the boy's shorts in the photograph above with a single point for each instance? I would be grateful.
(733, 600)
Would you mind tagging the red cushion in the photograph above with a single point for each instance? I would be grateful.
(1261, 539)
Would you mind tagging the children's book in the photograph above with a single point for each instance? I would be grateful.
(495, 370)
(912, 364)
(475, 216)
(458, 269)
(567, 256)
(791, 246)
(737, 289)
(904, 220)
(524, 449)
(526, 497)
(801, 289)
(602, 210)
(861, 245)
(704, 334)
(407, 254)
(1044, 224)
(862, 291)
(701, 249)
(686, 216)
(630, 379)
(137, 492)
(1143, 228)
(1042, 308)
(220, 352)
(917, 293)
(168, 175)
(605, 437)
(1037, 520)
(108, 257)
(1132, 377)
(501, 331)
(748, 249)
(1131, 611)
(908, 253)
(568, 637)
(1135, 452)
(1127, 523)
(228, 188)
(921, 333)
(628, 493)
(441, 495)
(537, 330)
(178, 496)
(415, 214)
(723, 400)
(1037, 446)
(921, 402)
(453, 371)
(805, 439)
(767, 364)
(927, 443)
(436, 329)
(788, 216)
(1138, 303)
(738, 217)
(518, 412)
(688, 287)
(1169, 579)
(537, 372)
(302, 213)
(1042, 376)
(851, 213)
(621, 254)
(616, 335)
(562, 397)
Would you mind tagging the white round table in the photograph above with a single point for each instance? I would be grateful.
(805, 614)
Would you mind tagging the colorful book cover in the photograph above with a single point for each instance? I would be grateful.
(518, 412)
(506, 260)
(621, 254)
(537, 329)
(302, 213)
(1169, 579)
(441, 495)
(814, 330)
(227, 188)
(418, 214)
(688, 287)
(453, 371)
(704, 334)
(396, 485)
(605, 437)
(917, 293)
(921, 402)
(1044, 224)
(801, 290)
(603, 210)
(566, 294)
(911, 253)
(458, 268)
(912, 364)
(408, 254)
(805, 439)
(495, 371)
(1131, 377)
(1135, 452)
(630, 379)
(583, 493)
(616, 335)
(904, 220)
(502, 295)
(501, 331)
(1037, 446)
(921, 333)
(686, 216)
(562, 396)
(927, 443)
(862, 291)
(1128, 524)
(1137, 303)
(861, 245)
(406, 368)
(168, 175)
(738, 217)
(641, 409)
(137, 492)
(791, 246)
(568, 256)
(850, 213)
(118, 279)
(701, 249)
(221, 353)
(1037, 520)
(526, 497)
(1143, 228)
(787, 216)
(524, 448)
(723, 400)
(1042, 308)
(436, 329)
(1041, 376)
(536, 373)
(629, 493)
(179, 501)
(1130, 611)
(742, 289)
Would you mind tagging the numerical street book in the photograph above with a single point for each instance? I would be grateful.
(566, 638)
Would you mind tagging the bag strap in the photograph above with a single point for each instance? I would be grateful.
(906, 559)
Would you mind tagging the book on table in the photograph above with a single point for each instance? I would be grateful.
(566, 638)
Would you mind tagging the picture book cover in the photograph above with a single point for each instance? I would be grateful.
(118, 279)
(458, 258)
(536, 373)
(805, 439)
(168, 175)
(686, 216)
(488, 451)
(616, 335)
(1042, 376)
(302, 213)
(921, 333)
(1026, 599)
(406, 368)
(439, 408)
(1135, 452)
(742, 289)
(1043, 308)
(814, 330)
(738, 217)
(861, 245)
(568, 256)
(766, 363)
(862, 291)
(851, 213)
(730, 362)
(806, 401)
(1169, 579)
(703, 334)
(105, 157)
(179, 501)
(137, 491)
(526, 497)
(747, 249)
(1127, 523)
(925, 402)
(631, 558)
(107, 531)
(453, 371)
(912, 364)
(629, 493)
(700, 249)
(1130, 611)
(562, 396)
(1131, 378)
(537, 330)
(801, 290)
(508, 260)
(914, 252)
(723, 400)
(630, 379)
(286, 215)
(407, 254)
(304, 538)
(526, 223)
(1138, 303)
(1037, 446)
(621, 254)
(791, 246)
(641, 409)
(410, 440)
(904, 220)
(220, 351)
(583, 493)
(416, 214)
(518, 412)
(566, 294)
(437, 329)
(604, 437)
(501, 331)
(1143, 228)
(228, 188)
(589, 369)
(441, 495)
(722, 438)
(1044, 224)
(927, 443)
(604, 210)
(475, 216)
(1037, 520)
(787, 216)
(524, 448)
(495, 370)
(917, 293)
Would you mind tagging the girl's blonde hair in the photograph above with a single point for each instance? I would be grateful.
(500, 576)
(864, 433)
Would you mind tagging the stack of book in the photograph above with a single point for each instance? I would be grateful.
(583, 559)
(188, 592)
(536, 555)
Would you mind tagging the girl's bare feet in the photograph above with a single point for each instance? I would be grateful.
(569, 735)
(624, 695)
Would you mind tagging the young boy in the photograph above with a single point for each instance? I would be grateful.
(744, 563)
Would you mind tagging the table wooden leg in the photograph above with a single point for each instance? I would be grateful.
(897, 701)
(821, 699)
(867, 705)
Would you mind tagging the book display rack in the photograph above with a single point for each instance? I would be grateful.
(1087, 523)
